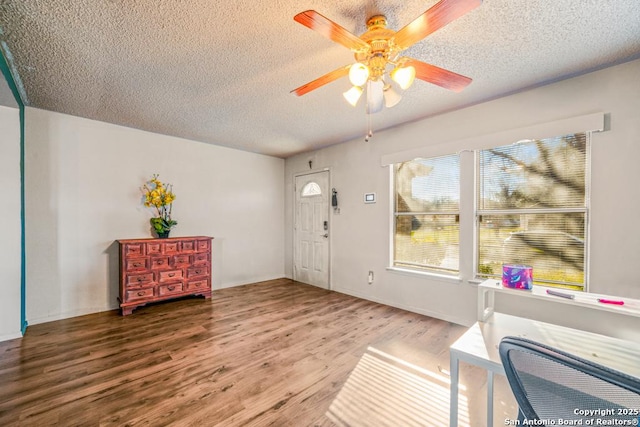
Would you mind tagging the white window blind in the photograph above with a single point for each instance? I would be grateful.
(532, 209)
(427, 204)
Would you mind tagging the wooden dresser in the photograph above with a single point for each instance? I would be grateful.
(160, 269)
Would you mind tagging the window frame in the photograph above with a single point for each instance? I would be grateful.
(314, 190)
(468, 150)
(394, 213)
(583, 210)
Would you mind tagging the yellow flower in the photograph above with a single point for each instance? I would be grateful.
(159, 196)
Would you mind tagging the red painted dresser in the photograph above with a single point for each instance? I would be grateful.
(160, 269)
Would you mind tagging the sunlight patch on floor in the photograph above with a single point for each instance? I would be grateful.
(385, 390)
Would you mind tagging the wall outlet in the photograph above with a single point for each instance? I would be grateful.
(370, 276)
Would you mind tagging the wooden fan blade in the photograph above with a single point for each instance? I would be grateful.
(438, 76)
(432, 20)
(331, 30)
(321, 81)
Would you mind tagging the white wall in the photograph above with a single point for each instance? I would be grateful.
(82, 193)
(10, 242)
(360, 235)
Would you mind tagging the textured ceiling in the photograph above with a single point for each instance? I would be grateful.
(222, 72)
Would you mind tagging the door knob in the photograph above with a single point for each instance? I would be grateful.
(325, 235)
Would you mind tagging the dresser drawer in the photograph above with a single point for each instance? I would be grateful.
(181, 260)
(170, 248)
(134, 249)
(202, 258)
(174, 288)
(201, 270)
(197, 285)
(202, 245)
(137, 264)
(136, 294)
(154, 248)
(170, 276)
(139, 279)
(188, 246)
(158, 262)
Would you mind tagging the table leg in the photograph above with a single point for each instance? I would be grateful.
(453, 400)
(486, 302)
(489, 398)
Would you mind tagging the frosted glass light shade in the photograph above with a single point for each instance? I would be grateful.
(358, 74)
(353, 95)
(391, 97)
(404, 76)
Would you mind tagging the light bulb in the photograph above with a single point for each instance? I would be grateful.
(404, 76)
(353, 95)
(358, 74)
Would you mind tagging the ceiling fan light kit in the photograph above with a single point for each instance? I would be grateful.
(377, 54)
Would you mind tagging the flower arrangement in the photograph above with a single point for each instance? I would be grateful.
(161, 197)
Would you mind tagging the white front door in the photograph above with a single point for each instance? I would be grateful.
(311, 229)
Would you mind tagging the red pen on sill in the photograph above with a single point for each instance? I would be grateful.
(610, 301)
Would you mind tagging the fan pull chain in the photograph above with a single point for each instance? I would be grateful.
(370, 132)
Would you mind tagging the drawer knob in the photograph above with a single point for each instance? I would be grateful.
(171, 288)
(141, 293)
(136, 264)
(171, 274)
(140, 279)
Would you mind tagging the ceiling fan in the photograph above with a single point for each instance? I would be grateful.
(377, 53)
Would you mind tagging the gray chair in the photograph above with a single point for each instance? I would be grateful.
(549, 384)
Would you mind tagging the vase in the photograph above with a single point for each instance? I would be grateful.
(163, 235)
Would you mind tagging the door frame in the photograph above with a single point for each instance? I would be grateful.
(293, 225)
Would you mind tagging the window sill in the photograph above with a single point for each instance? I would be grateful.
(630, 307)
(425, 274)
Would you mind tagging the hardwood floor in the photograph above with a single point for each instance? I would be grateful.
(276, 353)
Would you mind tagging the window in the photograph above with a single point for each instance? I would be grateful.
(532, 209)
(426, 214)
(311, 189)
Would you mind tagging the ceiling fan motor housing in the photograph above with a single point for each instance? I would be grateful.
(380, 52)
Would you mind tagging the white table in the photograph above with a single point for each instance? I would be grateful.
(479, 346)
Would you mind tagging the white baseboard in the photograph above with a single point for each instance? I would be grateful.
(70, 314)
(435, 315)
(249, 281)
(12, 336)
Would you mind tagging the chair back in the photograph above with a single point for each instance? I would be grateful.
(553, 385)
